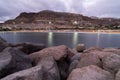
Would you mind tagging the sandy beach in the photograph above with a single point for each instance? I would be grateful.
(71, 31)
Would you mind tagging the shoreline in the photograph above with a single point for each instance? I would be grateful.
(75, 60)
(70, 31)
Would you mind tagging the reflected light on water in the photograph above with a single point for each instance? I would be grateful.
(50, 38)
(15, 33)
(98, 38)
(75, 38)
(3, 33)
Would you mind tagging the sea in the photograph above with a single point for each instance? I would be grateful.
(70, 39)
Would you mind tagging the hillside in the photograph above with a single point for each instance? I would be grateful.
(63, 20)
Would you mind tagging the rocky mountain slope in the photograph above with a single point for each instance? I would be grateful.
(47, 15)
(63, 18)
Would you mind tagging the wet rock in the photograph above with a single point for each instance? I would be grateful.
(111, 63)
(51, 71)
(58, 53)
(16, 45)
(90, 73)
(89, 59)
(80, 47)
(35, 73)
(12, 60)
(3, 44)
(28, 48)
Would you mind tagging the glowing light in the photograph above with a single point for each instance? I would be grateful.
(15, 32)
(75, 38)
(98, 38)
(50, 39)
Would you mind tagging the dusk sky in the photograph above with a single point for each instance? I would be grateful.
(9, 9)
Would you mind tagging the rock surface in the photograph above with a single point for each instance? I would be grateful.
(35, 73)
(89, 59)
(3, 44)
(111, 63)
(112, 50)
(80, 47)
(28, 48)
(117, 77)
(51, 71)
(73, 65)
(101, 54)
(58, 53)
(63, 67)
(12, 60)
(90, 73)
(76, 57)
(57, 62)
(93, 49)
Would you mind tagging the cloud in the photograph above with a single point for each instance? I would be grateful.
(101, 8)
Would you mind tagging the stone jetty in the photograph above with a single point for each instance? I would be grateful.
(28, 61)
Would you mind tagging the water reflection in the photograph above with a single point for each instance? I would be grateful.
(69, 39)
(75, 38)
(50, 39)
(98, 38)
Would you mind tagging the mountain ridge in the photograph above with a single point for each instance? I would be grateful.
(64, 18)
(49, 15)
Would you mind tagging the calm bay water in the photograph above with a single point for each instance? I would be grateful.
(69, 39)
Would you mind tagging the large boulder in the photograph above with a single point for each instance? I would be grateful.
(28, 48)
(63, 66)
(117, 77)
(101, 54)
(89, 59)
(91, 49)
(90, 73)
(12, 60)
(80, 47)
(35, 73)
(71, 53)
(75, 57)
(61, 54)
(74, 51)
(3, 44)
(58, 53)
(51, 71)
(112, 50)
(73, 65)
(111, 63)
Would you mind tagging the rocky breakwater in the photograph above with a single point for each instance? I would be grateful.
(27, 61)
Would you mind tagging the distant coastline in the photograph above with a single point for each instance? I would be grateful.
(71, 31)
(47, 20)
